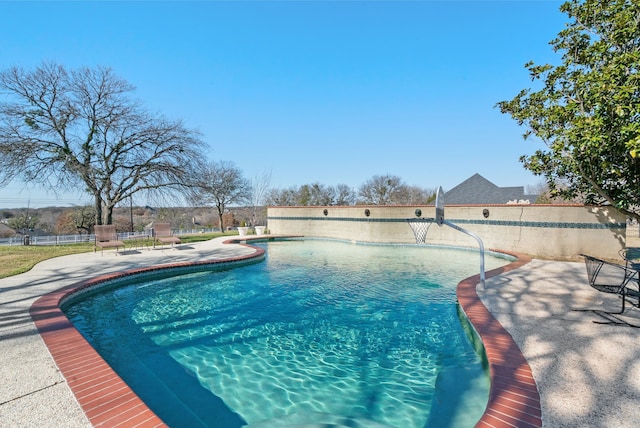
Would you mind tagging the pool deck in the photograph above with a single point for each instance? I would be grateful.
(587, 374)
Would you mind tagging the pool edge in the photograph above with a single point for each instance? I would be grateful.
(514, 399)
(107, 400)
(103, 396)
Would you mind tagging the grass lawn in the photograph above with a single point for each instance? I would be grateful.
(18, 259)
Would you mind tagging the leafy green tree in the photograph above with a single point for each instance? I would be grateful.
(586, 110)
(24, 221)
(316, 194)
(80, 129)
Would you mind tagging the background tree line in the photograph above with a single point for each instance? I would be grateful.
(236, 200)
(378, 190)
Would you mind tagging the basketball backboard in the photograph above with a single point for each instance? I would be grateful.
(439, 206)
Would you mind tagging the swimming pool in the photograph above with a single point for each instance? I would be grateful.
(321, 332)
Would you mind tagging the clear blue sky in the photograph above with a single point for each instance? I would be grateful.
(333, 92)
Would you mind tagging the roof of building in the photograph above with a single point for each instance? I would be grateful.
(478, 190)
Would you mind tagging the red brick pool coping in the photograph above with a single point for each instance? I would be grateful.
(105, 398)
(108, 401)
(514, 400)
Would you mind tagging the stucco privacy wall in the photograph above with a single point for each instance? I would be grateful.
(550, 231)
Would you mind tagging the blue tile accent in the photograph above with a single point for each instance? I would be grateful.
(545, 224)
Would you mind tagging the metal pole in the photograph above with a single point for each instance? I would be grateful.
(477, 238)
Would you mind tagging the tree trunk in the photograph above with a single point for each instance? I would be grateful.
(109, 217)
(98, 206)
(220, 212)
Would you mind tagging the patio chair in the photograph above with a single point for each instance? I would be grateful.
(609, 277)
(106, 237)
(631, 258)
(162, 234)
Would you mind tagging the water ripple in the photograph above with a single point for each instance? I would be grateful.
(322, 332)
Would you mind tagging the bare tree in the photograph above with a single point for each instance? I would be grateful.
(382, 190)
(282, 197)
(260, 185)
(344, 195)
(416, 195)
(220, 184)
(546, 196)
(379, 190)
(77, 220)
(79, 129)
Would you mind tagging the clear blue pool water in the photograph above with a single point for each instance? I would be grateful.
(321, 332)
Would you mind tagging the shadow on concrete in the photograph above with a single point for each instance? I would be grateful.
(582, 366)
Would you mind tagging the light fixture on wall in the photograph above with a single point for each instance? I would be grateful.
(418, 212)
(485, 213)
(367, 212)
(325, 212)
